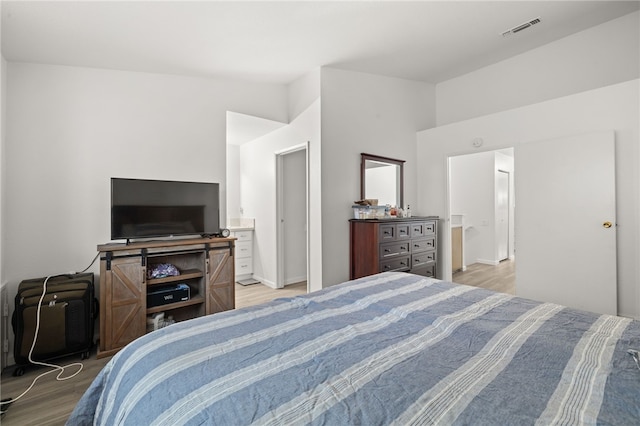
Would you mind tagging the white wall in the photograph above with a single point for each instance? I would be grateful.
(600, 56)
(234, 190)
(613, 107)
(303, 92)
(365, 113)
(74, 128)
(258, 181)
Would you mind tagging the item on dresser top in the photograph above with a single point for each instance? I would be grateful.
(369, 212)
(367, 202)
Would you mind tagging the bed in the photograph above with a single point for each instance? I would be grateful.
(393, 348)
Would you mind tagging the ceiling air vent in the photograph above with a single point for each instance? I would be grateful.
(521, 27)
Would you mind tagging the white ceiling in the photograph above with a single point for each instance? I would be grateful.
(280, 41)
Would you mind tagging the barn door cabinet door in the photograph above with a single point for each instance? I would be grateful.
(220, 280)
(122, 302)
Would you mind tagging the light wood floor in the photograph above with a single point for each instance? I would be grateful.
(501, 278)
(50, 402)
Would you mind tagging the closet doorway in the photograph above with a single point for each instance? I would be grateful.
(292, 216)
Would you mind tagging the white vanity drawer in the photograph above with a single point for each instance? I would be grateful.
(244, 249)
(243, 235)
(244, 266)
(243, 252)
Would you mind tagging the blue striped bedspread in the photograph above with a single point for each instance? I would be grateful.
(392, 348)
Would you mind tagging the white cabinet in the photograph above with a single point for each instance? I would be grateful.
(243, 254)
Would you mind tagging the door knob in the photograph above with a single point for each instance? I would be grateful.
(607, 224)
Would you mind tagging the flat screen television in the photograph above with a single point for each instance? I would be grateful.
(156, 208)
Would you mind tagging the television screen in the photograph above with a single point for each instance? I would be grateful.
(155, 208)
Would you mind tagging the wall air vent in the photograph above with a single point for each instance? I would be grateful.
(521, 27)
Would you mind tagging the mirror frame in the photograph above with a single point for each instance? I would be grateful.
(364, 157)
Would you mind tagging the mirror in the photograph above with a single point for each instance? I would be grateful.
(382, 178)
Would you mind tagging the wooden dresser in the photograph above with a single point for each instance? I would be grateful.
(381, 245)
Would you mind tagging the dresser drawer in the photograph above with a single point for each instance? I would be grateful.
(387, 232)
(422, 229)
(422, 259)
(403, 230)
(427, 271)
(397, 264)
(418, 246)
(244, 249)
(429, 228)
(394, 249)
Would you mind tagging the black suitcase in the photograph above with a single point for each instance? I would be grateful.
(67, 318)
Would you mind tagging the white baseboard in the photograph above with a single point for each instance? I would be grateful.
(488, 262)
(295, 280)
(264, 281)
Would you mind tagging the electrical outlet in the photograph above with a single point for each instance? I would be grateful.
(5, 346)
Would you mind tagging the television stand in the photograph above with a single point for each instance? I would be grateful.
(206, 265)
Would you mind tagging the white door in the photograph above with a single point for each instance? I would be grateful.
(294, 234)
(502, 214)
(565, 221)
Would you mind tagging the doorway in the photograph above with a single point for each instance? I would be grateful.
(481, 209)
(292, 216)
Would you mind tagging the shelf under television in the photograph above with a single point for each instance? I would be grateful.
(176, 305)
(184, 275)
